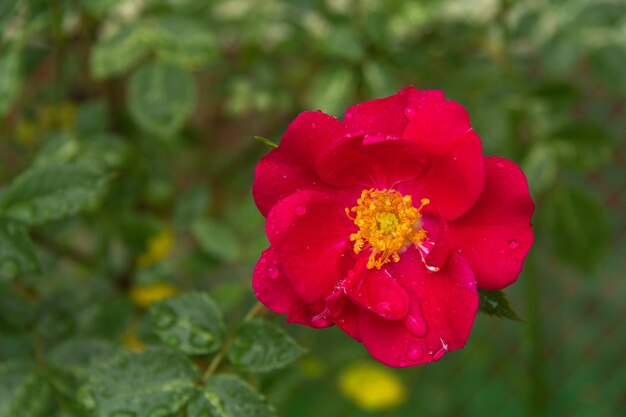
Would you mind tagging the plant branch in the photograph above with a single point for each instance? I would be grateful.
(217, 359)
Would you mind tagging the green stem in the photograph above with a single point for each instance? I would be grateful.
(217, 359)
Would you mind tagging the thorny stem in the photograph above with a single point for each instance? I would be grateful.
(217, 359)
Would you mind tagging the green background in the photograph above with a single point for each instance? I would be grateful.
(154, 106)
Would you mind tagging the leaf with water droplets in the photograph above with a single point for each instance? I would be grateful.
(495, 303)
(191, 323)
(17, 254)
(23, 390)
(146, 384)
(262, 346)
(46, 193)
(229, 396)
(70, 363)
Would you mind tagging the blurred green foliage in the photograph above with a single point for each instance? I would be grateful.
(126, 158)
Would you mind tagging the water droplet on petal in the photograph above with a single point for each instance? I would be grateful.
(414, 353)
(313, 125)
(415, 324)
(409, 112)
(500, 164)
(273, 272)
(300, 211)
(263, 260)
(164, 317)
(513, 244)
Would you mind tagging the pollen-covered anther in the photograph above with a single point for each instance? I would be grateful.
(388, 224)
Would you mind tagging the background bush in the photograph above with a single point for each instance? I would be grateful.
(126, 160)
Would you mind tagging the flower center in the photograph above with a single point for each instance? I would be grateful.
(388, 223)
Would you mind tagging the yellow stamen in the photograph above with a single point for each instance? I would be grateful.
(388, 223)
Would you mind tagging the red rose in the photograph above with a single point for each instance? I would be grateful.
(385, 224)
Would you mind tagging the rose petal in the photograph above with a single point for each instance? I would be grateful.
(275, 292)
(368, 162)
(310, 231)
(496, 235)
(443, 307)
(290, 166)
(452, 182)
(438, 126)
(378, 292)
(389, 115)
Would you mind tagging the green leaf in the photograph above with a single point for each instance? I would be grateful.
(541, 167)
(262, 346)
(99, 7)
(607, 63)
(191, 323)
(183, 41)
(23, 390)
(47, 193)
(17, 254)
(160, 97)
(494, 303)
(71, 362)
(582, 145)
(216, 239)
(578, 227)
(266, 142)
(229, 396)
(191, 205)
(10, 80)
(116, 53)
(147, 384)
(17, 314)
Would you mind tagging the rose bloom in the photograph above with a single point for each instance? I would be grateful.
(387, 222)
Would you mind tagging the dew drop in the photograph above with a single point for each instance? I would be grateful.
(500, 164)
(200, 337)
(414, 353)
(409, 112)
(272, 272)
(173, 341)
(313, 125)
(300, 211)
(263, 260)
(415, 324)
(513, 244)
(164, 317)
(384, 308)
